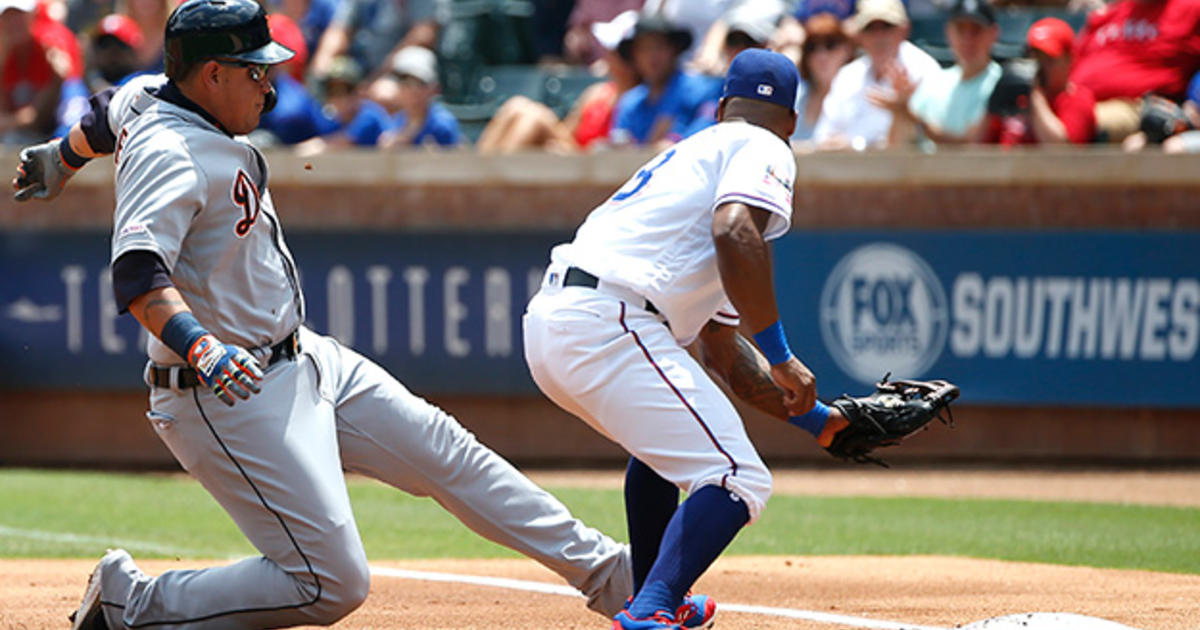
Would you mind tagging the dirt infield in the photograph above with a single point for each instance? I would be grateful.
(929, 591)
(920, 590)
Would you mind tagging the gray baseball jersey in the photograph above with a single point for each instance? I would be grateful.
(198, 198)
(181, 183)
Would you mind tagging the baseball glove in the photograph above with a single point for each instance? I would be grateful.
(896, 410)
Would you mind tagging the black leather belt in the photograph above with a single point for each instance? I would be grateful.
(577, 277)
(161, 376)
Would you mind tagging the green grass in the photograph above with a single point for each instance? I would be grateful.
(164, 515)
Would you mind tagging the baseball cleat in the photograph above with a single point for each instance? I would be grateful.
(660, 620)
(89, 615)
(696, 611)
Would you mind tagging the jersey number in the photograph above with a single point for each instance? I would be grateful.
(642, 177)
(245, 195)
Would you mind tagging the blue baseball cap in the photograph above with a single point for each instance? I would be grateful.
(762, 75)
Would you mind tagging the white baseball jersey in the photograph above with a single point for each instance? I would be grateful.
(178, 176)
(654, 235)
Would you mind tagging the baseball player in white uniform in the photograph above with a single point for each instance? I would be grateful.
(265, 413)
(679, 254)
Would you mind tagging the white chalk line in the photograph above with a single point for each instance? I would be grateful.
(477, 580)
(100, 541)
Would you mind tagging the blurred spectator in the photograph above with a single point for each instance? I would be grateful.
(297, 115)
(550, 28)
(354, 120)
(1047, 108)
(1132, 48)
(949, 105)
(848, 118)
(693, 16)
(408, 93)
(60, 42)
(580, 45)
(749, 24)
(373, 31)
(790, 34)
(311, 16)
(151, 17)
(826, 49)
(669, 103)
(285, 31)
(522, 123)
(1168, 124)
(113, 54)
(31, 77)
(1188, 141)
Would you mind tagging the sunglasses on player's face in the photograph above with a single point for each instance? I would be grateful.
(258, 71)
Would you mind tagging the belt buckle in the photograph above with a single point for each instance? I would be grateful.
(295, 344)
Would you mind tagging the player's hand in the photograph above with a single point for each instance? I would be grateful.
(798, 384)
(42, 173)
(227, 369)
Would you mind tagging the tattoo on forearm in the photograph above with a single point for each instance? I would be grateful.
(156, 303)
(750, 379)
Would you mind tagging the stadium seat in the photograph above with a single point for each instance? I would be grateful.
(562, 87)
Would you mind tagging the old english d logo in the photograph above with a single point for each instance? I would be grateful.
(245, 196)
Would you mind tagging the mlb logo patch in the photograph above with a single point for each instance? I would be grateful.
(765, 89)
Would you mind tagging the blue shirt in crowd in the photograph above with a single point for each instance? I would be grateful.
(441, 127)
(368, 124)
(297, 115)
(689, 100)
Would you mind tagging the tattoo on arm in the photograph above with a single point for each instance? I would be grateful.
(156, 303)
(749, 376)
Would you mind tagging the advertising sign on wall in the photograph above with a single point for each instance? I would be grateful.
(1062, 318)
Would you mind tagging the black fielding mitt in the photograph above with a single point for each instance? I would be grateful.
(895, 411)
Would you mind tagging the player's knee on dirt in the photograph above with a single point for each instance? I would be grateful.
(342, 592)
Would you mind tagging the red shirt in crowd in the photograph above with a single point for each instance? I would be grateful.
(596, 115)
(1074, 106)
(26, 72)
(1134, 47)
(60, 44)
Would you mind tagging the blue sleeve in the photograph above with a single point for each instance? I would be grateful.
(624, 124)
(697, 105)
(297, 115)
(72, 105)
(325, 123)
(369, 123)
(444, 125)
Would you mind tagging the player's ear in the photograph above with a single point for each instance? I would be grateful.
(721, 109)
(210, 73)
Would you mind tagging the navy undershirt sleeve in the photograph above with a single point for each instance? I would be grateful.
(136, 273)
(94, 123)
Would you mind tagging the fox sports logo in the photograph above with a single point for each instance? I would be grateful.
(883, 310)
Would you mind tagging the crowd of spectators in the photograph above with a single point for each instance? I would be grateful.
(392, 74)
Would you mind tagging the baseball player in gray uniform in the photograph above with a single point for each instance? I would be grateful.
(264, 412)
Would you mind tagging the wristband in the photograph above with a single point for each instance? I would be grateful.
(813, 421)
(773, 343)
(181, 332)
(70, 158)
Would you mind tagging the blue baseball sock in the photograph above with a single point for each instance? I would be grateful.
(700, 530)
(650, 501)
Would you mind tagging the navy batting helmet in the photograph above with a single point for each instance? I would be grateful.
(220, 29)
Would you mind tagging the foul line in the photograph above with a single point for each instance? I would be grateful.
(101, 541)
(558, 589)
(478, 580)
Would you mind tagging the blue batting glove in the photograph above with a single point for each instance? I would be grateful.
(227, 369)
